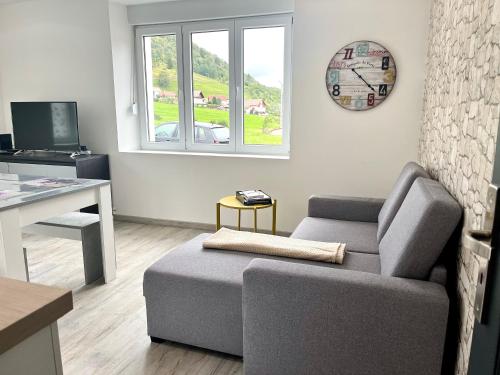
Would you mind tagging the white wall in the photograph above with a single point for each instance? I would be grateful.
(356, 152)
(3, 126)
(332, 150)
(122, 45)
(187, 10)
(61, 50)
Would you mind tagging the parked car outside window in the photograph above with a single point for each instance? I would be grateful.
(204, 133)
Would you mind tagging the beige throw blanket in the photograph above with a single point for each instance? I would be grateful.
(248, 242)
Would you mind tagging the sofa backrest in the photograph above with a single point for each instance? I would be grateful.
(419, 232)
(410, 172)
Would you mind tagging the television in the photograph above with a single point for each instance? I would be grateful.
(51, 126)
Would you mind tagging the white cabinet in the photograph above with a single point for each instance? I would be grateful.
(27, 169)
(37, 354)
(60, 171)
(43, 170)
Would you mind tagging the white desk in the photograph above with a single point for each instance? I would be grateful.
(37, 203)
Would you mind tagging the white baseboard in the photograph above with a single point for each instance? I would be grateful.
(185, 224)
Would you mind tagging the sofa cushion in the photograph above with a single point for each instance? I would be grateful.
(193, 295)
(359, 236)
(391, 206)
(419, 231)
(438, 274)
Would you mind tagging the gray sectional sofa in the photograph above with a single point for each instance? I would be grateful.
(383, 311)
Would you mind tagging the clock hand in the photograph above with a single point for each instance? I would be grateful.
(359, 76)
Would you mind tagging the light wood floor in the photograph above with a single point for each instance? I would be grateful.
(106, 331)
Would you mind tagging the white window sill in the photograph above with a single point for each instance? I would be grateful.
(212, 154)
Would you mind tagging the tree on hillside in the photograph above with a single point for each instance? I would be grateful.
(171, 64)
(163, 79)
(270, 123)
(206, 64)
(209, 65)
(215, 100)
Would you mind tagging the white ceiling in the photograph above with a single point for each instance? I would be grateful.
(136, 2)
(126, 2)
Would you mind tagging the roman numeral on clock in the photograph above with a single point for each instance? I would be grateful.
(348, 53)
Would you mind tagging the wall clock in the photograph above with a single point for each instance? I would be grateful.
(361, 75)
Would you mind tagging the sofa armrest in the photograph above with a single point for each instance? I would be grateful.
(345, 208)
(306, 319)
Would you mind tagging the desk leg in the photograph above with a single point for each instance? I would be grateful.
(239, 219)
(107, 233)
(274, 216)
(217, 212)
(255, 220)
(56, 347)
(11, 248)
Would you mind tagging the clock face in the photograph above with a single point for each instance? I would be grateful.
(361, 75)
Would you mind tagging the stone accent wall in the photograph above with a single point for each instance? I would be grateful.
(461, 117)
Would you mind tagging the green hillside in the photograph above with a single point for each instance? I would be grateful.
(210, 74)
(166, 79)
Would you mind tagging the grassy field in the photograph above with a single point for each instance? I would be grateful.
(208, 86)
(254, 124)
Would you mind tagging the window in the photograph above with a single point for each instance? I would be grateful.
(262, 111)
(217, 86)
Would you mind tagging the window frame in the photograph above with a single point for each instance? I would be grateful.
(183, 32)
(146, 103)
(187, 31)
(241, 25)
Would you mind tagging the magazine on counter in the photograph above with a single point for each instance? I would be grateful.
(6, 194)
(52, 182)
(253, 197)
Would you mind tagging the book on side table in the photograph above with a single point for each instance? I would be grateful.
(253, 197)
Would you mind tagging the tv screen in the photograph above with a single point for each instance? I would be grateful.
(45, 126)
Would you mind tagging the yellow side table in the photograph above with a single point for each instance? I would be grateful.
(231, 202)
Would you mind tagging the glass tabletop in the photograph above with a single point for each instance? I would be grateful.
(16, 190)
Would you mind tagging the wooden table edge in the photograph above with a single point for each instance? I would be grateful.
(34, 321)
